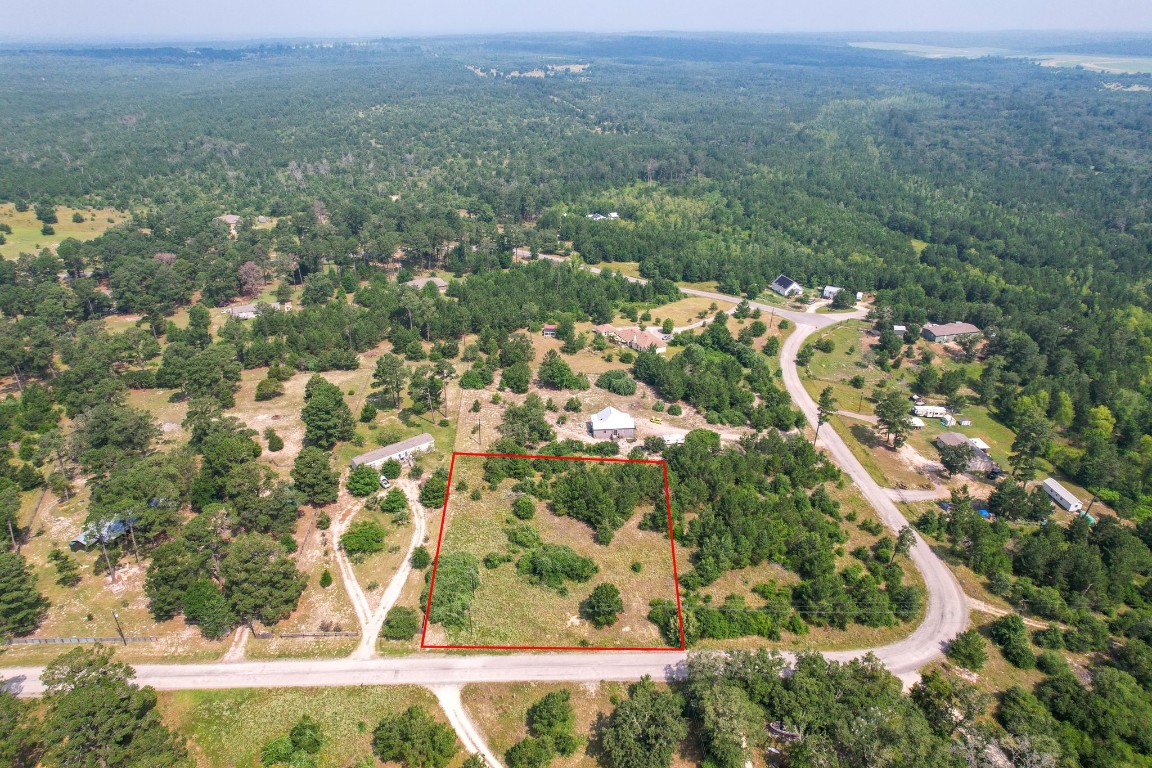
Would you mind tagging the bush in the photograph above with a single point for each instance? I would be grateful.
(617, 382)
(967, 650)
(523, 536)
(420, 558)
(675, 410)
(326, 579)
(391, 469)
(363, 481)
(573, 405)
(523, 508)
(435, 489)
(363, 538)
(603, 606)
(269, 388)
(415, 740)
(1011, 635)
(658, 406)
(368, 413)
(1051, 638)
(401, 624)
(323, 521)
(552, 564)
(530, 753)
(275, 442)
(856, 382)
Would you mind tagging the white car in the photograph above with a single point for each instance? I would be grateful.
(385, 483)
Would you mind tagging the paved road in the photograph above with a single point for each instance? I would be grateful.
(947, 612)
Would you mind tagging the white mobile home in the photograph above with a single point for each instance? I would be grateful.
(1062, 495)
(401, 451)
(930, 411)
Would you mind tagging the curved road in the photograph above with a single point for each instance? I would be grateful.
(946, 615)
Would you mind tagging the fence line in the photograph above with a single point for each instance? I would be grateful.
(76, 640)
(319, 634)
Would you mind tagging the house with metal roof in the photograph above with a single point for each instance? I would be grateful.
(401, 451)
(786, 286)
(611, 424)
(1061, 495)
(946, 332)
(979, 461)
(420, 282)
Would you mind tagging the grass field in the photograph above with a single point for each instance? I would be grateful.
(500, 712)
(228, 728)
(687, 311)
(508, 610)
(26, 237)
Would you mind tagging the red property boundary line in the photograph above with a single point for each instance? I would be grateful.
(440, 539)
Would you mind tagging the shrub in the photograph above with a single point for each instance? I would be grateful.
(675, 410)
(523, 508)
(435, 489)
(523, 536)
(368, 413)
(552, 564)
(401, 624)
(391, 469)
(617, 382)
(967, 650)
(268, 389)
(603, 606)
(420, 558)
(414, 739)
(323, 521)
(326, 579)
(658, 406)
(275, 442)
(363, 538)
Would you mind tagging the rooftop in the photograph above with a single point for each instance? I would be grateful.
(610, 418)
(391, 450)
(951, 329)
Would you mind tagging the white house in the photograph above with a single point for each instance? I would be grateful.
(859, 295)
(899, 329)
(610, 424)
(830, 292)
(948, 331)
(978, 444)
(929, 411)
(1061, 495)
(916, 422)
(786, 286)
(405, 449)
(673, 439)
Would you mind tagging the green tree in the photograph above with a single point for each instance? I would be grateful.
(645, 730)
(523, 508)
(892, 414)
(22, 607)
(363, 538)
(46, 213)
(394, 502)
(260, 579)
(327, 418)
(955, 458)
(420, 557)
(602, 606)
(401, 624)
(948, 702)
(1033, 433)
(391, 469)
(617, 382)
(363, 481)
(530, 753)
(553, 719)
(967, 650)
(19, 745)
(206, 606)
(390, 375)
(435, 489)
(414, 740)
(269, 388)
(517, 377)
(98, 718)
(314, 477)
(825, 409)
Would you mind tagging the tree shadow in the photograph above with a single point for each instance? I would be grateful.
(865, 435)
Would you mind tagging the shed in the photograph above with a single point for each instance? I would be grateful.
(401, 451)
(916, 422)
(611, 424)
(978, 444)
(1061, 495)
(786, 286)
(549, 331)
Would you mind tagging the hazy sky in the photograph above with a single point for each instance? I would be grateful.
(229, 19)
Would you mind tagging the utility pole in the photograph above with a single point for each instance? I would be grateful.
(119, 630)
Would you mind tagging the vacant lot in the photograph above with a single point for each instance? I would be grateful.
(26, 236)
(228, 728)
(507, 609)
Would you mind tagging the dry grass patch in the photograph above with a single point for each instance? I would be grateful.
(687, 310)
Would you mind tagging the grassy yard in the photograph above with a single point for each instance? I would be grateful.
(26, 237)
(687, 310)
(228, 728)
(508, 610)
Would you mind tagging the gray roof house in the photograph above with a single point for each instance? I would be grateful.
(405, 449)
(980, 461)
(420, 282)
(946, 332)
(610, 424)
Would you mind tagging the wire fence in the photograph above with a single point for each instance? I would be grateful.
(76, 640)
(319, 634)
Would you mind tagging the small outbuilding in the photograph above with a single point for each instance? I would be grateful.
(548, 331)
(611, 424)
(1061, 495)
(830, 292)
(401, 451)
(786, 286)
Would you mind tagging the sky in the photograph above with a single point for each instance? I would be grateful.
(172, 20)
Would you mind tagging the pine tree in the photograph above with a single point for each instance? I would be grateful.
(21, 606)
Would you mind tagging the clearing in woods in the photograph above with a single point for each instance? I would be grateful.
(503, 581)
